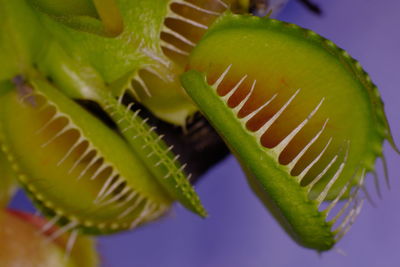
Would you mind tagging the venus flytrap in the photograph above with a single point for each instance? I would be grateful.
(74, 161)
(284, 99)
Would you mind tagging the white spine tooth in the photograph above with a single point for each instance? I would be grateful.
(282, 145)
(179, 36)
(128, 108)
(222, 3)
(135, 114)
(146, 145)
(173, 48)
(117, 196)
(90, 164)
(127, 128)
(177, 156)
(156, 73)
(154, 56)
(244, 101)
(350, 220)
(143, 85)
(335, 177)
(255, 112)
(159, 162)
(182, 167)
(321, 174)
(342, 192)
(305, 149)
(268, 124)
(353, 196)
(120, 98)
(156, 212)
(108, 106)
(113, 187)
(99, 170)
(160, 137)
(144, 121)
(234, 89)
(133, 91)
(53, 118)
(62, 230)
(177, 16)
(345, 223)
(169, 149)
(84, 154)
(206, 11)
(71, 149)
(137, 202)
(70, 244)
(127, 200)
(336, 200)
(105, 186)
(126, 212)
(50, 224)
(58, 134)
(113, 112)
(151, 154)
(309, 166)
(221, 77)
(169, 173)
(138, 219)
(118, 122)
(148, 208)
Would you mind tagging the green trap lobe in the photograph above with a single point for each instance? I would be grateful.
(293, 94)
(281, 61)
(73, 165)
(155, 155)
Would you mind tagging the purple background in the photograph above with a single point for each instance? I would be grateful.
(239, 232)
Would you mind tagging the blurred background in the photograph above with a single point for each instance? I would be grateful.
(239, 231)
